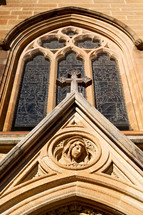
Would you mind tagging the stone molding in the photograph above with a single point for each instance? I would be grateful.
(67, 106)
(49, 183)
(126, 53)
(6, 43)
(106, 46)
(110, 46)
(58, 151)
(44, 193)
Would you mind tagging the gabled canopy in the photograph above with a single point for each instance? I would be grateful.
(34, 167)
(69, 104)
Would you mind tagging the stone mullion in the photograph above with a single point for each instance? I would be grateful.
(88, 73)
(52, 85)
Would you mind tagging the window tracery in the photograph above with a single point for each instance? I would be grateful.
(53, 43)
(69, 32)
(88, 43)
(73, 48)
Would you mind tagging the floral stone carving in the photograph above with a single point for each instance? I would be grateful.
(75, 152)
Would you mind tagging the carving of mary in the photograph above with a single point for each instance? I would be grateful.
(74, 152)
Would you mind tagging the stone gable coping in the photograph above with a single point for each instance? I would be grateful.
(72, 101)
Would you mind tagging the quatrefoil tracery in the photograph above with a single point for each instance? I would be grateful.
(80, 40)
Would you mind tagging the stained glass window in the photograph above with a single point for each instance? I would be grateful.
(69, 63)
(88, 43)
(53, 43)
(32, 102)
(70, 33)
(109, 98)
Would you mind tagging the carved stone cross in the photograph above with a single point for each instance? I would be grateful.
(74, 80)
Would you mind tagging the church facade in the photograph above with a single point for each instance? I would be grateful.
(71, 121)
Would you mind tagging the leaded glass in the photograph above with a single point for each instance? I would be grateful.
(32, 102)
(66, 65)
(70, 33)
(53, 43)
(88, 43)
(109, 98)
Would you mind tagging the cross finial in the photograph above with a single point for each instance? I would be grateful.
(74, 80)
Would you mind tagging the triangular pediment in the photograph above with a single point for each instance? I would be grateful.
(72, 119)
(74, 139)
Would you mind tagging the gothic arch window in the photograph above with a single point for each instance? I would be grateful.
(55, 54)
(69, 63)
(31, 105)
(108, 95)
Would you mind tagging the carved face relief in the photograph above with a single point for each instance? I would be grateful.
(75, 152)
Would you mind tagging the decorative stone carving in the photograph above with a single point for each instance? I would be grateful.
(75, 151)
(74, 81)
(73, 148)
(65, 65)
(76, 209)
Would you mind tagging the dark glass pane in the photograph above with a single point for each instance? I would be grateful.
(88, 43)
(53, 43)
(109, 98)
(77, 208)
(2, 2)
(70, 33)
(32, 101)
(66, 65)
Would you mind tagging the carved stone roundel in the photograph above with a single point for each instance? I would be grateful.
(75, 152)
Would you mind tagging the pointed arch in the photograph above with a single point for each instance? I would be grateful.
(109, 97)
(122, 36)
(68, 11)
(57, 183)
(33, 88)
(45, 194)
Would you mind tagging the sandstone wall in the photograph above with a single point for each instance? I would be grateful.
(127, 11)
